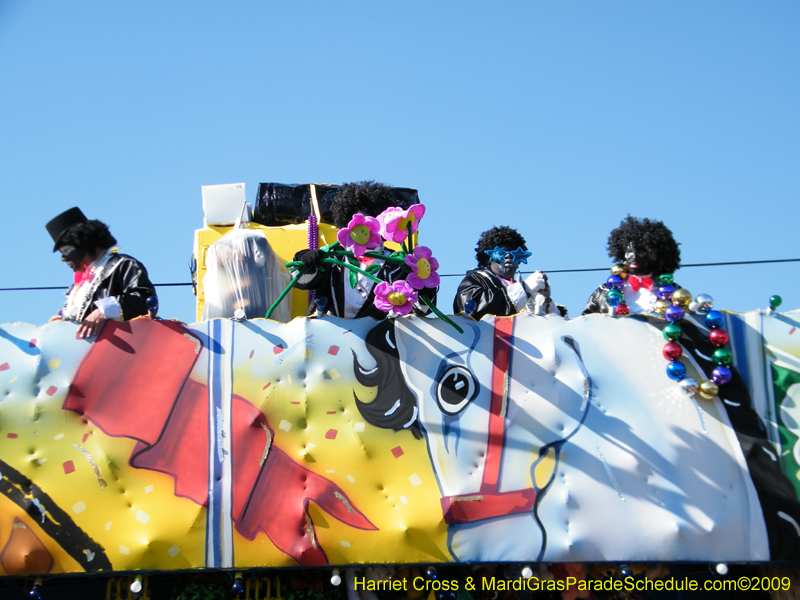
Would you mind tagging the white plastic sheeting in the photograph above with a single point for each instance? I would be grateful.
(244, 273)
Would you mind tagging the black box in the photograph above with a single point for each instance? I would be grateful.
(290, 203)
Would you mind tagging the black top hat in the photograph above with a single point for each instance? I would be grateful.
(58, 226)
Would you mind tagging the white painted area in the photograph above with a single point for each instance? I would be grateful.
(633, 477)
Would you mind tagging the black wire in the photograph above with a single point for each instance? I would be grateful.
(718, 264)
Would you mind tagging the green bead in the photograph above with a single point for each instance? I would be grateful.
(615, 297)
(672, 332)
(666, 279)
(775, 301)
(722, 356)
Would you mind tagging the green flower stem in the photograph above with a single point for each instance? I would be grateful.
(379, 256)
(286, 291)
(345, 253)
(333, 261)
(439, 313)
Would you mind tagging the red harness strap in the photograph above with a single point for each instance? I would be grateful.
(488, 502)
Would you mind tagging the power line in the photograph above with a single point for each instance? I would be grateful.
(717, 264)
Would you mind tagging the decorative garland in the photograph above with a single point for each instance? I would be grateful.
(672, 304)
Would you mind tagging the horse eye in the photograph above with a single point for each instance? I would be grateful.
(456, 388)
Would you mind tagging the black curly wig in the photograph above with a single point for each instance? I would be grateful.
(651, 236)
(366, 197)
(504, 237)
(88, 236)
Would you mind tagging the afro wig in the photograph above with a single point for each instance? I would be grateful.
(88, 236)
(504, 237)
(366, 197)
(652, 236)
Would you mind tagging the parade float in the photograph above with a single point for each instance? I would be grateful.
(247, 444)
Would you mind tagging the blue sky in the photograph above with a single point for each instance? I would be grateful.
(558, 118)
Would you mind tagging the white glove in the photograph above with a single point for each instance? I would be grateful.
(539, 304)
(536, 282)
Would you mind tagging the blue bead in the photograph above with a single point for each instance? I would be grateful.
(676, 370)
(673, 314)
(614, 283)
(714, 319)
(470, 306)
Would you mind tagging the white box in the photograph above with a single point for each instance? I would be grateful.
(222, 204)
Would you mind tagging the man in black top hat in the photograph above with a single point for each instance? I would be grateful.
(107, 285)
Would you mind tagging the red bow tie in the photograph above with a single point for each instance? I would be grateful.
(637, 282)
(80, 277)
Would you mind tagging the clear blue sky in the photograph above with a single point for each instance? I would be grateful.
(558, 118)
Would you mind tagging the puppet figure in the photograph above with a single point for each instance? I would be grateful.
(647, 250)
(492, 286)
(332, 282)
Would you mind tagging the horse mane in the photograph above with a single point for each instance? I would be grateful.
(395, 406)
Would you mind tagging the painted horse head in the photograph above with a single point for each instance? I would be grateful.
(494, 409)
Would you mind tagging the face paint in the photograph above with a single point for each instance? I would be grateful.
(72, 256)
(638, 260)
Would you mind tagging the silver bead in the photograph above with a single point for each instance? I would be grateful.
(704, 304)
(689, 385)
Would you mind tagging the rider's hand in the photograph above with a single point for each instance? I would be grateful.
(92, 324)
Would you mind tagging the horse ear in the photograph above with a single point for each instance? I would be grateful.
(394, 406)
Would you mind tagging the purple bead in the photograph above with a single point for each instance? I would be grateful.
(665, 292)
(673, 314)
(614, 283)
(721, 375)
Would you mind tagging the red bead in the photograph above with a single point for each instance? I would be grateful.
(672, 351)
(718, 337)
(622, 309)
